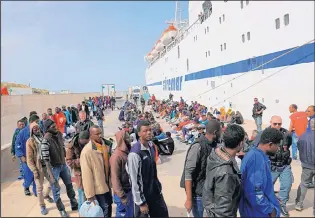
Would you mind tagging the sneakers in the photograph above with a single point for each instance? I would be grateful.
(63, 213)
(27, 192)
(284, 211)
(49, 199)
(20, 177)
(298, 206)
(43, 210)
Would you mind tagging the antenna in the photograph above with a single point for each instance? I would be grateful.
(177, 22)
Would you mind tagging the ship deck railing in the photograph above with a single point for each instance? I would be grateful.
(183, 33)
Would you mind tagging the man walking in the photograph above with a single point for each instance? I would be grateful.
(141, 167)
(20, 126)
(100, 118)
(35, 164)
(20, 151)
(258, 113)
(119, 177)
(54, 141)
(73, 152)
(281, 163)
(258, 198)
(194, 174)
(306, 148)
(298, 126)
(94, 161)
(222, 188)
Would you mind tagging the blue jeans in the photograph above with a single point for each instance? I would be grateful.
(258, 121)
(28, 178)
(100, 124)
(21, 169)
(123, 210)
(286, 179)
(197, 207)
(63, 172)
(294, 145)
(105, 201)
(81, 197)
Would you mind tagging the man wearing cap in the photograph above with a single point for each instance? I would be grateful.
(54, 141)
(20, 152)
(194, 173)
(73, 152)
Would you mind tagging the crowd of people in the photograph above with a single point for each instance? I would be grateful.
(224, 171)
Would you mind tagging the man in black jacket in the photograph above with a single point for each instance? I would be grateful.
(222, 188)
(258, 109)
(194, 174)
(84, 123)
(280, 163)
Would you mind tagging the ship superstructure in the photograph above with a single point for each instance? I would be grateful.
(230, 52)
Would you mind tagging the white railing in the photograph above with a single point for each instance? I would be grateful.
(182, 35)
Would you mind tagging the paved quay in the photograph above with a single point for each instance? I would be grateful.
(16, 204)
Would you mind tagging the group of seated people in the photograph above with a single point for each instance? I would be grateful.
(189, 121)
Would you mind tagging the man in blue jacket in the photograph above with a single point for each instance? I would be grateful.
(258, 198)
(306, 148)
(20, 152)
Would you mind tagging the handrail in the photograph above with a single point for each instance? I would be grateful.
(178, 39)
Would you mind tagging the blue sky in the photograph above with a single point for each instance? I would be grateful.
(80, 45)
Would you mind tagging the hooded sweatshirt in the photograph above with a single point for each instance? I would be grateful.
(119, 176)
(33, 158)
(222, 188)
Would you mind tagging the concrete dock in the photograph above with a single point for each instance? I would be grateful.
(16, 204)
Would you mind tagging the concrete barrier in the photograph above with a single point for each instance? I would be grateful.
(15, 107)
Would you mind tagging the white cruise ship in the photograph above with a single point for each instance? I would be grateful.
(230, 52)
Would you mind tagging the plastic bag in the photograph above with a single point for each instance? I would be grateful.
(91, 209)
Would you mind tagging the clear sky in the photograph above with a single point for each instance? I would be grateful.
(80, 45)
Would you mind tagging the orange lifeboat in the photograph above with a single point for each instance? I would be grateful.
(159, 46)
(154, 52)
(168, 35)
(149, 57)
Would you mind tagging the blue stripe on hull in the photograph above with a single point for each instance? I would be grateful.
(304, 54)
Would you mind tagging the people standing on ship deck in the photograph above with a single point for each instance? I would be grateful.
(222, 187)
(306, 148)
(54, 141)
(94, 161)
(119, 177)
(258, 113)
(298, 126)
(34, 162)
(20, 151)
(194, 173)
(20, 125)
(141, 167)
(281, 163)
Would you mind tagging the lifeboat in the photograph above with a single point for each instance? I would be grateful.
(154, 52)
(159, 46)
(149, 57)
(168, 35)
